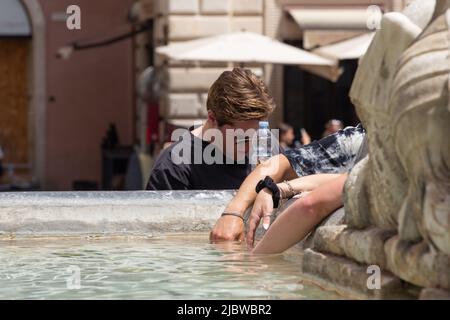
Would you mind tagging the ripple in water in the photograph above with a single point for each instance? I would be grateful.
(169, 267)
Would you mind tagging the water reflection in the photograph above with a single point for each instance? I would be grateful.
(167, 267)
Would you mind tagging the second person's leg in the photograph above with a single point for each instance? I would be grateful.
(301, 217)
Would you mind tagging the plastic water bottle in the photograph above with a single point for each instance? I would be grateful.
(263, 148)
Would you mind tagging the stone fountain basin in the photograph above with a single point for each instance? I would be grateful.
(145, 213)
(108, 213)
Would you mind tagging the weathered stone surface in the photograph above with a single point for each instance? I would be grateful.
(183, 105)
(59, 214)
(247, 7)
(418, 263)
(182, 6)
(189, 27)
(370, 95)
(401, 95)
(436, 206)
(397, 200)
(337, 218)
(420, 12)
(421, 90)
(349, 276)
(356, 197)
(192, 79)
(364, 246)
(215, 6)
(326, 239)
(251, 24)
(434, 294)
(436, 218)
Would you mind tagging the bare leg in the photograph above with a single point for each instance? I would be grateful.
(301, 217)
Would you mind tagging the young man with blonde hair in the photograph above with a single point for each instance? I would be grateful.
(237, 101)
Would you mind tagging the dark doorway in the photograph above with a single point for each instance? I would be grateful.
(310, 101)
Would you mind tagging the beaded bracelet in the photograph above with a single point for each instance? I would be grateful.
(291, 189)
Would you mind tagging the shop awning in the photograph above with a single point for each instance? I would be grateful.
(313, 39)
(353, 48)
(247, 47)
(330, 18)
(242, 47)
(13, 19)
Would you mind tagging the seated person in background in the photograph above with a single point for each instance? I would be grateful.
(331, 127)
(287, 136)
(315, 164)
(238, 99)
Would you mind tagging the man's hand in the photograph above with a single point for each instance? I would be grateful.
(262, 209)
(227, 228)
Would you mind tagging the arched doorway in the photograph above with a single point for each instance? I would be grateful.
(22, 89)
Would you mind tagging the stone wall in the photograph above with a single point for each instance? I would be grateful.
(397, 200)
(181, 20)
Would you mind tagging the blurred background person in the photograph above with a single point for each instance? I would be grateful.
(306, 139)
(287, 136)
(332, 127)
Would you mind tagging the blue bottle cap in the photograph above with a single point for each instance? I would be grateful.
(264, 124)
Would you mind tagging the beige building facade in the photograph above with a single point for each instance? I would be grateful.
(180, 20)
(188, 84)
(69, 104)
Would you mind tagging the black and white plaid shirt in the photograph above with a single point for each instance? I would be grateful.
(337, 153)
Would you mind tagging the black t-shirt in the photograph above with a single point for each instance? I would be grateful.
(167, 175)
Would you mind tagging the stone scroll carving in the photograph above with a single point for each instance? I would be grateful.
(401, 93)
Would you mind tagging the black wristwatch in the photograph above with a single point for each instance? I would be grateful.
(272, 186)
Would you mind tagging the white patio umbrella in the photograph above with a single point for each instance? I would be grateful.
(353, 48)
(246, 47)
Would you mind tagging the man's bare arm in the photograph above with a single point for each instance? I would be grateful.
(278, 168)
(307, 183)
(232, 228)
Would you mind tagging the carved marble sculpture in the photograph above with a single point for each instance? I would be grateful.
(401, 92)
